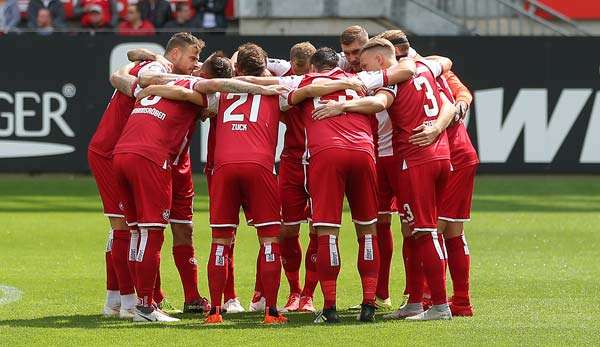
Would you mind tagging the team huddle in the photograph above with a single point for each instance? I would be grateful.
(378, 124)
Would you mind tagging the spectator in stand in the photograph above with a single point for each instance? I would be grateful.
(57, 12)
(212, 12)
(44, 22)
(134, 25)
(108, 10)
(184, 18)
(158, 12)
(9, 16)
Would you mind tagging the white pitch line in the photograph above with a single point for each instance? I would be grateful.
(10, 294)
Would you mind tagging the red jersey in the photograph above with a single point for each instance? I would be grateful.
(416, 101)
(113, 120)
(157, 127)
(462, 152)
(351, 131)
(246, 128)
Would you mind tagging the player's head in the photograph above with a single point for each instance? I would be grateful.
(352, 40)
(183, 50)
(251, 60)
(399, 40)
(300, 54)
(215, 66)
(377, 54)
(323, 59)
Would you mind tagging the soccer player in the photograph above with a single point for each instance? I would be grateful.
(457, 196)
(414, 106)
(352, 40)
(341, 161)
(121, 297)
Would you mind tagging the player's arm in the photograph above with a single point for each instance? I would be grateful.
(446, 63)
(426, 134)
(403, 71)
(461, 93)
(265, 81)
(122, 81)
(173, 92)
(141, 54)
(228, 85)
(152, 78)
(366, 105)
(321, 89)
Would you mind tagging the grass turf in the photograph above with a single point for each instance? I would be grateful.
(535, 269)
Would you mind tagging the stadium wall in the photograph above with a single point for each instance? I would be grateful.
(536, 107)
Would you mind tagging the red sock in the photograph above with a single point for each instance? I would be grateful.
(413, 270)
(432, 257)
(258, 288)
(112, 283)
(158, 295)
(270, 272)
(328, 267)
(148, 263)
(120, 256)
(459, 263)
(217, 272)
(291, 258)
(386, 248)
(311, 279)
(187, 267)
(229, 292)
(368, 266)
(134, 244)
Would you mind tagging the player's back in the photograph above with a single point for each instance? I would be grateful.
(157, 127)
(246, 128)
(416, 102)
(114, 119)
(351, 131)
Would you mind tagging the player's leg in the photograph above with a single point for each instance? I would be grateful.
(455, 209)
(293, 199)
(361, 191)
(427, 182)
(311, 278)
(151, 188)
(119, 281)
(326, 185)
(225, 202)
(260, 192)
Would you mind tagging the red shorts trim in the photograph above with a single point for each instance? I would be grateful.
(458, 195)
(246, 185)
(182, 205)
(426, 186)
(103, 172)
(388, 170)
(335, 172)
(145, 190)
(295, 207)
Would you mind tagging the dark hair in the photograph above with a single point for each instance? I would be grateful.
(324, 58)
(218, 66)
(251, 59)
(183, 40)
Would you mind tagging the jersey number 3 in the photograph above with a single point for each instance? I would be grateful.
(229, 116)
(421, 81)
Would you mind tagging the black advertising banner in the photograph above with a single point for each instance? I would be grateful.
(536, 107)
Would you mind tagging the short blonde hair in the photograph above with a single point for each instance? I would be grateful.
(385, 46)
(353, 33)
(301, 52)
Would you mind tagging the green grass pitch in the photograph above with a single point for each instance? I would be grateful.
(535, 245)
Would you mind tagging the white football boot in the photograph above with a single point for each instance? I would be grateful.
(436, 312)
(408, 310)
(233, 306)
(258, 306)
(149, 315)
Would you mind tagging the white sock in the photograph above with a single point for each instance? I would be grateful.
(128, 301)
(113, 298)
